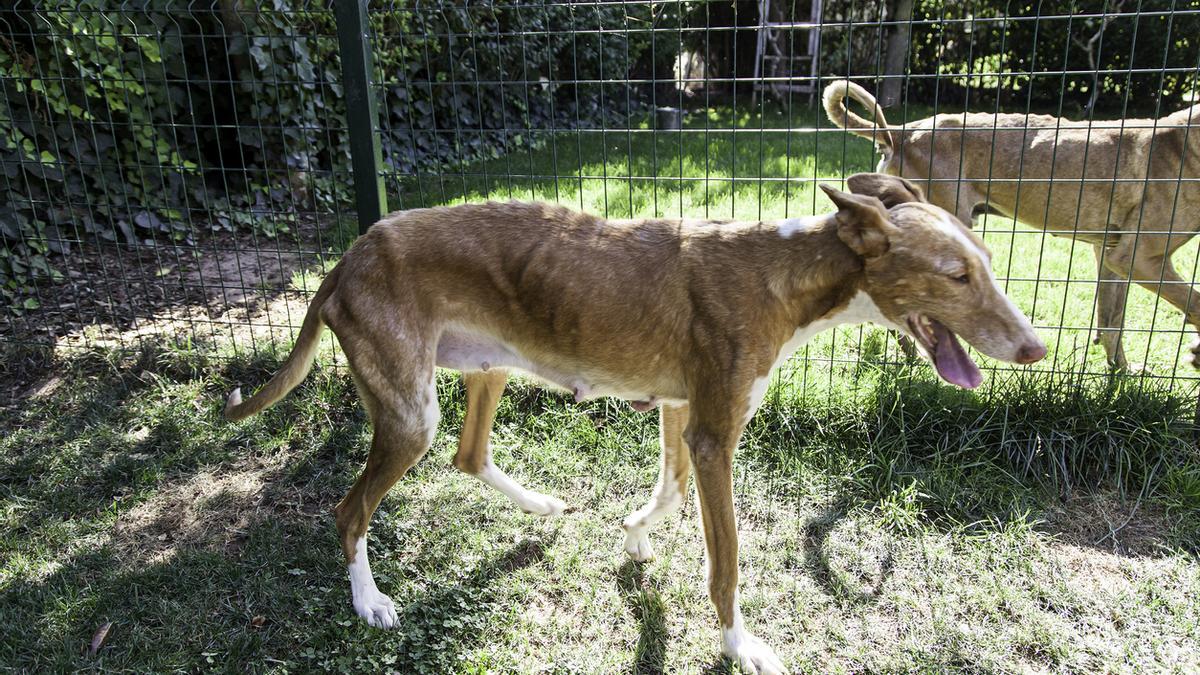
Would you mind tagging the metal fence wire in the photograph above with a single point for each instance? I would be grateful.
(188, 170)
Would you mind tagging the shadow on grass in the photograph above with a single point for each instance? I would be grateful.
(283, 599)
(126, 423)
(641, 596)
(816, 533)
(233, 556)
(703, 166)
(205, 542)
(1022, 446)
(447, 621)
(209, 287)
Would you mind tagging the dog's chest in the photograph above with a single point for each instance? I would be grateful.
(860, 309)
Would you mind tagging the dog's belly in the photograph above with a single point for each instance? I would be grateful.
(470, 352)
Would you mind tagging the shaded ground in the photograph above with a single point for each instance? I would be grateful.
(127, 500)
(1046, 522)
(127, 291)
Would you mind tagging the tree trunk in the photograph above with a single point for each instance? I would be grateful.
(897, 52)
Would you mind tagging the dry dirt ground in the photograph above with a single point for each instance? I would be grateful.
(228, 289)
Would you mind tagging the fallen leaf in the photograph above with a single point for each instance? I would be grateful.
(98, 638)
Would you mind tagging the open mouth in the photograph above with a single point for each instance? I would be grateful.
(941, 345)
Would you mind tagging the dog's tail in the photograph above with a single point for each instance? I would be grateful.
(298, 363)
(834, 99)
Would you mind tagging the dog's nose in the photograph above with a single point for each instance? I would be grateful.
(1031, 353)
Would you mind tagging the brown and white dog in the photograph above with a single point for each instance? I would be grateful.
(687, 315)
(1116, 185)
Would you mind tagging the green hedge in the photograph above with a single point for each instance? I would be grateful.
(1130, 54)
(163, 120)
(982, 53)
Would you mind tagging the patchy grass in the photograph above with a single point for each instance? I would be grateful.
(912, 529)
(1049, 521)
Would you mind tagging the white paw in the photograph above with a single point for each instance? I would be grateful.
(541, 505)
(376, 608)
(637, 544)
(751, 654)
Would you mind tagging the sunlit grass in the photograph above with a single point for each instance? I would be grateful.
(1047, 522)
(767, 165)
(898, 526)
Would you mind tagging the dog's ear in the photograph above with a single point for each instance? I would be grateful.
(862, 222)
(891, 190)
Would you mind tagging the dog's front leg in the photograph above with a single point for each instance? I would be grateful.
(674, 470)
(711, 437)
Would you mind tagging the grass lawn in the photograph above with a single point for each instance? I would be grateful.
(1047, 522)
(768, 169)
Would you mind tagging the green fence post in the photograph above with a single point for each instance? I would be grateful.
(366, 155)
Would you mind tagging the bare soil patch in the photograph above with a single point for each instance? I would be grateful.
(214, 509)
(121, 286)
(225, 287)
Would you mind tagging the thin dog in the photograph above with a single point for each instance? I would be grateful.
(686, 315)
(1116, 185)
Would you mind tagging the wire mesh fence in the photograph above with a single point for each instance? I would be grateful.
(189, 169)
(166, 169)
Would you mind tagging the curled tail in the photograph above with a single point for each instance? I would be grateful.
(834, 99)
(298, 362)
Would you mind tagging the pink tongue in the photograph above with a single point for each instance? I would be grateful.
(951, 361)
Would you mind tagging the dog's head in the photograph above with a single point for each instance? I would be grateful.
(931, 276)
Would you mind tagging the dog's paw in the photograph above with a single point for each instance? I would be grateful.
(1126, 368)
(377, 608)
(541, 505)
(1193, 355)
(637, 544)
(751, 654)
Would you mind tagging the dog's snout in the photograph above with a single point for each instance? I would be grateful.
(1031, 353)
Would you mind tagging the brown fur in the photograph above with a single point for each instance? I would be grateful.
(1113, 184)
(685, 312)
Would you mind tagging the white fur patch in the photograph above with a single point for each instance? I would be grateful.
(666, 500)
(1015, 315)
(790, 227)
(369, 603)
(955, 230)
(1014, 312)
(432, 415)
(860, 309)
(751, 654)
(758, 391)
(528, 500)
(467, 349)
(985, 260)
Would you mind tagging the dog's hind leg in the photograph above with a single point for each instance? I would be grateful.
(674, 470)
(404, 413)
(1148, 261)
(1111, 292)
(474, 456)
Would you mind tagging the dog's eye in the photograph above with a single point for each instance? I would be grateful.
(963, 278)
